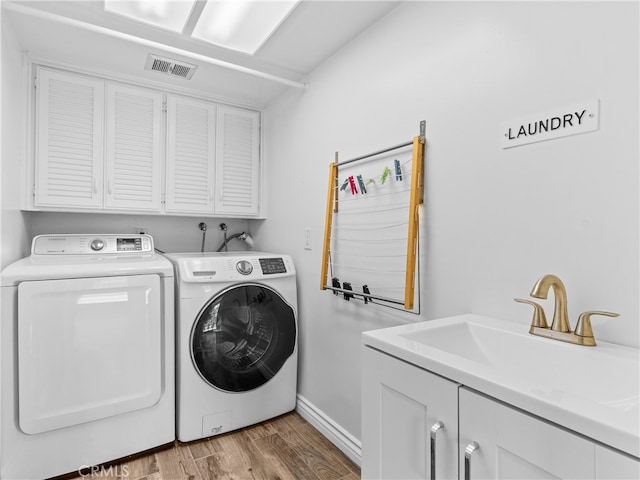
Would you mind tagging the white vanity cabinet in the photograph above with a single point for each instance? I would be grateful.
(401, 404)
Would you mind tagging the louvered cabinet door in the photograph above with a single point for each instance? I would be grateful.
(238, 162)
(133, 161)
(69, 141)
(190, 155)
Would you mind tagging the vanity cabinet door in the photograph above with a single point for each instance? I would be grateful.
(400, 404)
(612, 465)
(515, 445)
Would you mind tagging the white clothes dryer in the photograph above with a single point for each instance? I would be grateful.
(87, 362)
(237, 353)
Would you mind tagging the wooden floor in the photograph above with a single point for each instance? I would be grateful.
(284, 448)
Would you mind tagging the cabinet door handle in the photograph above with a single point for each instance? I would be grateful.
(95, 185)
(434, 430)
(472, 447)
(109, 189)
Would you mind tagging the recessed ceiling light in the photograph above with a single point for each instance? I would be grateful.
(243, 25)
(169, 14)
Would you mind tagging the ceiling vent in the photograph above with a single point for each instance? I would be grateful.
(169, 66)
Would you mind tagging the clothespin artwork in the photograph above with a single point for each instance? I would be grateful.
(352, 182)
(385, 174)
(398, 171)
(363, 190)
(344, 184)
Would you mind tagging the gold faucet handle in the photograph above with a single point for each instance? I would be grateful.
(583, 327)
(539, 318)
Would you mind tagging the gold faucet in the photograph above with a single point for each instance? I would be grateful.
(541, 289)
(560, 328)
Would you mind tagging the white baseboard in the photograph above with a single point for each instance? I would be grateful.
(347, 443)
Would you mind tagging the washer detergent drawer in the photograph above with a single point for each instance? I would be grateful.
(88, 348)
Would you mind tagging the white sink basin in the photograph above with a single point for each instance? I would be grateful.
(591, 390)
(603, 375)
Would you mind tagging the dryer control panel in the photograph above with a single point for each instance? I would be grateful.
(76, 244)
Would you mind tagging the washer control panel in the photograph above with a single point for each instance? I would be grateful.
(216, 267)
(76, 244)
(271, 266)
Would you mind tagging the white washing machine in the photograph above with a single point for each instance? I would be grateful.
(237, 353)
(87, 338)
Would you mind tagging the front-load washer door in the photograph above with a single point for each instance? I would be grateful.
(88, 349)
(242, 337)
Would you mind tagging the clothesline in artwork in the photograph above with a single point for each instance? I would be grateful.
(358, 185)
(371, 226)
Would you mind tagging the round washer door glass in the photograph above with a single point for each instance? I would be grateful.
(243, 337)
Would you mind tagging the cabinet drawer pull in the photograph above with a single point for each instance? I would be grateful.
(434, 430)
(472, 447)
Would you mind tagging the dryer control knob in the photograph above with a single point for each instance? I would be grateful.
(97, 245)
(244, 267)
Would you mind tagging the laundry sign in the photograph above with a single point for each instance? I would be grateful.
(562, 122)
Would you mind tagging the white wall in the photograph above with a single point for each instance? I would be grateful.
(494, 220)
(170, 234)
(14, 227)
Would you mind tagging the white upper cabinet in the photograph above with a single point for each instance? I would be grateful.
(69, 141)
(237, 161)
(106, 146)
(134, 138)
(190, 155)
